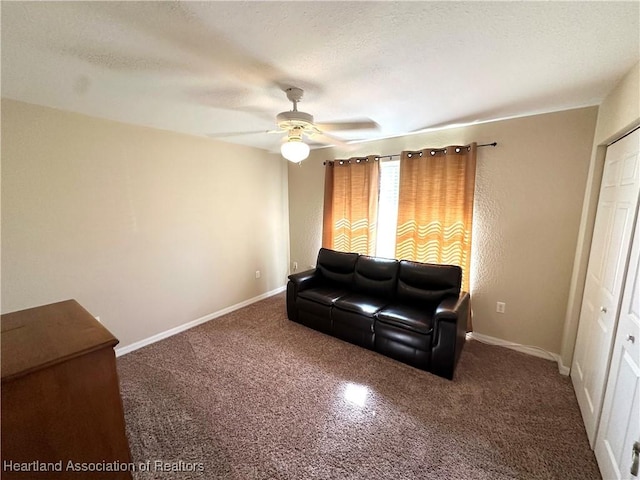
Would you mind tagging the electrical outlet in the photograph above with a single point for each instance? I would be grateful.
(257, 273)
(500, 306)
(295, 266)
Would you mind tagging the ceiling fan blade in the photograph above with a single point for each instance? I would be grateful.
(328, 139)
(358, 124)
(235, 134)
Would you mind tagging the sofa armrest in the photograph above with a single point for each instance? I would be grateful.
(297, 283)
(449, 332)
(452, 308)
(304, 280)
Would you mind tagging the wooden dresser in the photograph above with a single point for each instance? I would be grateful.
(60, 396)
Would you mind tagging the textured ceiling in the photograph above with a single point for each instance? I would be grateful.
(213, 67)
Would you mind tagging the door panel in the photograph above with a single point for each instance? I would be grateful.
(615, 219)
(613, 273)
(602, 241)
(620, 423)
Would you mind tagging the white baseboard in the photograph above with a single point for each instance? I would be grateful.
(528, 349)
(186, 326)
(562, 368)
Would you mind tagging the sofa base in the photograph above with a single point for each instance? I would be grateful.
(352, 328)
(314, 321)
(404, 353)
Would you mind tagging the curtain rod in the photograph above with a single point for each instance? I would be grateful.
(397, 155)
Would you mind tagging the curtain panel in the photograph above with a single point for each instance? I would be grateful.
(435, 206)
(351, 205)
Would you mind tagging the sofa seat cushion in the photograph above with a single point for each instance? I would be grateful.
(361, 304)
(324, 295)
(409, 317)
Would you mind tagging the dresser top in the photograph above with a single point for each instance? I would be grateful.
(42, 336)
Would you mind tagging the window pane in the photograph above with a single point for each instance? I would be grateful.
(388, 208)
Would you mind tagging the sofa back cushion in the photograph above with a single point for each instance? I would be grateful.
(336, 267)
(376, 276)
(426, 282)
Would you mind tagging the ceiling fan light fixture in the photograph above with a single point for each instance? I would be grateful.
(294, 150)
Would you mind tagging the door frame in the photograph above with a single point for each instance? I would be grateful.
(583, 245)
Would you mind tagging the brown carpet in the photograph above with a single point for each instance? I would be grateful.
(252, 395)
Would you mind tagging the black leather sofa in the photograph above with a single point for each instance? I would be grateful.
(413, 312)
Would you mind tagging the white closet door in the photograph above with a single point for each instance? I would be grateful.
(605, 275)
(619, 426)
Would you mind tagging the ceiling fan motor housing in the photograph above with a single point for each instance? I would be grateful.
(287, 120)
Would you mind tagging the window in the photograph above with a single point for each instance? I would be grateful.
(418, 208)
(388, 208)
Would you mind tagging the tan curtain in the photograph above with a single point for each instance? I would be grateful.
(435, 206)
(351, 205)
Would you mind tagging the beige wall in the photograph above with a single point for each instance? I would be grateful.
(529, 193)
(618, 113)
(146, 228)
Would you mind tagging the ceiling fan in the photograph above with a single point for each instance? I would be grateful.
(297, 125)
